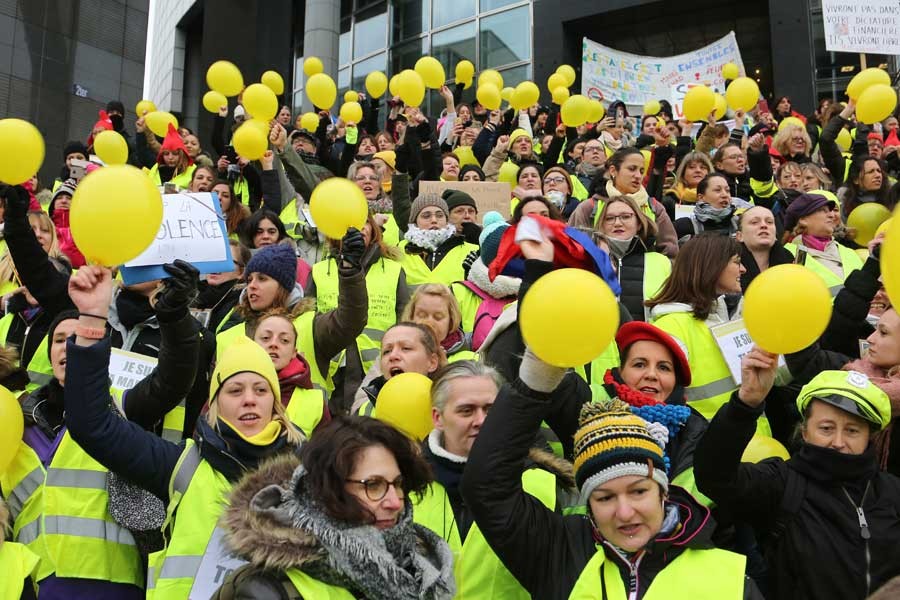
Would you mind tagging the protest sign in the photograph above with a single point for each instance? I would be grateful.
(488, 195)
(192, 229)
(872, 26)
(734, 342)
(126, 369)
(609, 74)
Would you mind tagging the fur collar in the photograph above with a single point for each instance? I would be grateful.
(503, 286)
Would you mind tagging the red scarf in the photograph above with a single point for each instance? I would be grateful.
(628, 395)
(294, 375)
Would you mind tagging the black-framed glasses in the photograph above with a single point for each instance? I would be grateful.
(377, 487)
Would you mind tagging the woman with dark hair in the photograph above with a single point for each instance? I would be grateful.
(471, 173)
(337, 522)
(262, 228)
(784, 109)
(202, 179)
(625, 175)
(235, 213)
(557, 187)
(867, 181)
(528, 182)
(535, 204)
(714, 210)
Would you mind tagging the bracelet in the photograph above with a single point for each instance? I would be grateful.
(90, 333)
(84, 314)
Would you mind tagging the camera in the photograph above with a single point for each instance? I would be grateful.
(234, 171)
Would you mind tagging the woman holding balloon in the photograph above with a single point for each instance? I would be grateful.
(867, 181)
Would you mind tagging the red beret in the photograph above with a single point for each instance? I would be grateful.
(637, 331)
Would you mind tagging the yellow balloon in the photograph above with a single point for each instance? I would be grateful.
(491, 76)
(721, 106)
(411, 87)
(742, 94)
(336, 205)
(376, 84)
(431, 71)
(107, 230)
(791, 121)
(844, 140)
(309, 121)
(527, 94)
(158, 122)
(507, 94)
(250, 141)
(698, 103)
(464, 71)
(652, 107)
(13, 427)
(556, 80)
(213, 101)
(883, 227)
(321, 91)
(312, 66)
(351, 96)
(392, 85)
(260, 102)
(143, 107)
(876, 103)
(488, 95)
(574, 111)
(592, 316)
(568, 73)
(595, 111)
(762, 447)
(21, 151)
(890, 259)
(560, 95)
(730, 71)
(866, 219)
(351, 112)
(225, 77)
(273, 81)
(405, 403)
(866, 78)
(111, 147)
(786, 308)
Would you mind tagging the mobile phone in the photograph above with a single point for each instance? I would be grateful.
(231, 154)
(170, 188)
(78, 169)
(467, 124)
(801, 257)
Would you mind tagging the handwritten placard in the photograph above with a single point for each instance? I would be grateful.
(126, 369)
(871, 26)
(734, 342)
(192, 229)
(488, 195)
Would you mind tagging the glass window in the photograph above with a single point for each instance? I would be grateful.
(404, 56)
(516, 75)
(370, 31)
(450, 11)
(344, 43)
(452, 45)
(364, 67)
(410, 18)
(505, 38)
(343, 84)
(487, 5)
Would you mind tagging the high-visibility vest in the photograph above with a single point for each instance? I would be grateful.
(199, 494)
(310, 588)
(305, 409)
(291, 219)
(17, 563)
(578, 190)
(382, 279)
(5, 323)
(477, 570)
(711, 381)
(182, 180)
(306, 345)
(657, 268)
(850, 261)
(710, 574)
(447, 271)
(242, 191)
(61, 514)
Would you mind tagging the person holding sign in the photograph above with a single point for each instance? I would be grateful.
(830, 515)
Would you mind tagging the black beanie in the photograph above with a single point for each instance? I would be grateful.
(64, 315)
(455, 198)
(115, 105)
(466, 168)
(74, 146)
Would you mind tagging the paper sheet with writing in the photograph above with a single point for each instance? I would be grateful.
(126, 369)
(872, 26)
(734, 342)
(190, 230)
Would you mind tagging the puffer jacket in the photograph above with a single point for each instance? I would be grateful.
(630, 269)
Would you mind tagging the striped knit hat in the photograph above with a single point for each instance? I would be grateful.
(613, 442)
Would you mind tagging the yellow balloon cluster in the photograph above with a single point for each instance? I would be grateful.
(273, 81)
(742, 94)
(575, 110)
(260, 102)
(491, 76)
(376, 84)
(525, 95)
(13, 428)
(464, 73)
(320, 90)
(351, 96)
(786, 308)
(224, 77)
(312, 66)
(890, 259)
(762, 447)
(410, 87)
(721, 106)
(251, 140)
(876, 103)
(111, 147)
(507, 93)
(143, 107)
(568, 74)
(213, 101)
(865, 79)
(336, 205)
(107, 230)
(431, 71)
(351, 112)
(698, 103)
(21, 151)
(592, 317)
(866, 219)
(595, 111)
(556, 81)
(405, 403)
(158, 122)
(560, 95)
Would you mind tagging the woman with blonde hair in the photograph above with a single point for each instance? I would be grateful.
(793, 143)
(434, 305)
(45, 232)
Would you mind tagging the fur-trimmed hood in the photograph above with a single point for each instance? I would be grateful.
(559, 467)
(502, 287)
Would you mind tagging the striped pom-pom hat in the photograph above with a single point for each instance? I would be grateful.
(613, 442)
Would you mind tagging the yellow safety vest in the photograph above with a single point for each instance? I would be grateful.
(242, 191)
(711, 574)
(462, 355)
(850, 261)
(291, 220)
(390, 232)
(17, 563)
(199, 494)
(711, 381)
(5, 324)
(305, 409)
(61, 514)
(40, 371)
(313, 589)
(478, 571)
(182, 180)
(578, 190)
(609, 359)
(382, 279)
(468, 302)
(447, 271)
(306, 346)
(173, 421)
(657, 268)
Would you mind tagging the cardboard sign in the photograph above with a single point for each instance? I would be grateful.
(734, 342)
(872, 26)
(126, 369)
(216, 565)
(488, 195)
(192, 229)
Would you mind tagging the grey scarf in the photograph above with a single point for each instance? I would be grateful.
(706, 212)
(619, 248)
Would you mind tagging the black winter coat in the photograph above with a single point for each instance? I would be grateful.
(812, 500)
(778, 255)
(630, 270)
(739, 185)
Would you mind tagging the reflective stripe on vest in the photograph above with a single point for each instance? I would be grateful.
(711, 574)
(313, 589)
(850, 261)
(447, 271)
(40, 371)
(478, 572)
(291, 219)
(305, 409)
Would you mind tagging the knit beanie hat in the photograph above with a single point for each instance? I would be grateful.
(66, 187)
(455, 198)
(73, 147)
(466, 168)
(278, 261)
(613, 442)
(174, 142)
(388, 156)
(243, 356)
(424, 201)
(115, 105)
(492, 228)
(63, 316)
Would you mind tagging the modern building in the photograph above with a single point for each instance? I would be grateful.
(782, 43)
(61, 61)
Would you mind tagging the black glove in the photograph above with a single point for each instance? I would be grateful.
(471, 232)
(468, 261)
(17, 202)
(353, 246)
(178, 292)
(424, 130)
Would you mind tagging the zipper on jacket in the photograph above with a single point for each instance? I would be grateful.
(863, 531)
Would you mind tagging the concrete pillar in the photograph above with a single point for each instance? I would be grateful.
(321, 36)
(793, 66)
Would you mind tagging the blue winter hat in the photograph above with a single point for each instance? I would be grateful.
(278, 261)
(492, 228)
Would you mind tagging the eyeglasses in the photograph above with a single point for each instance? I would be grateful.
(591, 149)
(366, 178)
(555, 180)
(624, 218)
(377, 487)
(432, 215)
